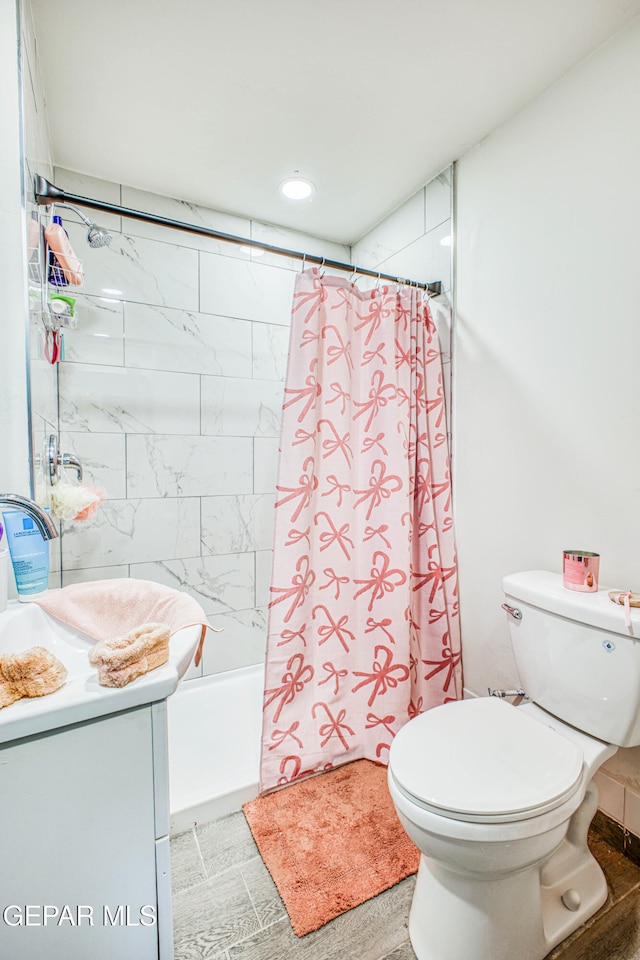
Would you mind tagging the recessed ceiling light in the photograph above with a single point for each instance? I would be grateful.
(113, 291)
(297, 188)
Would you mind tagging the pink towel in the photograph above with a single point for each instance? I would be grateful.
(109, 608)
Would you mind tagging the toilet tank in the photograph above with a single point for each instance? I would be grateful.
(575, 656)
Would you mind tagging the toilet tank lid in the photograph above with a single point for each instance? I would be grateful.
(545, 590)
(484, 758)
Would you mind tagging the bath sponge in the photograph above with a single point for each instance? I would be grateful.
(123, 659)
(34, 673)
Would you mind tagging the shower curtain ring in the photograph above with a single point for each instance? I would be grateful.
(322, 270)
(378, 282)
(304, 261)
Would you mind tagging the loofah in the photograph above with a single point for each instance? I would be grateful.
(34, 673)
(121, 651)
(120, 678)
(8, 694)
(123, 659)
(75, 501)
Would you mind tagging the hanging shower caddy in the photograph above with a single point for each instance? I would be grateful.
(52, 285)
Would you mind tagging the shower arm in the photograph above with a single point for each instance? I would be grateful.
(69, 206)
(47, 193)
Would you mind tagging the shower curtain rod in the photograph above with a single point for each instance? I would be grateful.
(46, 193)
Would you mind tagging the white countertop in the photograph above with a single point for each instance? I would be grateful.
(25, 625)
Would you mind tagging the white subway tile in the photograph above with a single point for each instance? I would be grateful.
(264, 559)
(299, 242)
(270, 351)
(237, 524)
(242, 643)
(162, 338)
(398, 230)
(44, 396)
(106, 399)
(145, 271)
(90, 574)
(241, 408)
(438, 199)
(265, 464)
(220, 584)
(103, 458)
(250, 291)
(185, 212)
(425, 260)
(191, 466)
(99, 335)
(134, 531)
(94, 188)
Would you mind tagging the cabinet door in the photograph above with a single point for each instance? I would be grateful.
(77, 832)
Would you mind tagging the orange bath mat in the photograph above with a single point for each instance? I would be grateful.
(331, 842)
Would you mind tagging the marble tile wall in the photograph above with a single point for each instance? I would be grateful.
(171, 391)
(170, 394)
(416, 242)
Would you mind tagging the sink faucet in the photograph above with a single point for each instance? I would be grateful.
(40, 517)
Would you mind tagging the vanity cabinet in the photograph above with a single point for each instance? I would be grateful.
(84, 845)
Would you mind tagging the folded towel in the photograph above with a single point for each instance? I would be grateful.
(34, 673)
(106, 608)
(123, 659)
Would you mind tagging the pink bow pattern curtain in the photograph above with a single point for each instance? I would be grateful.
(363, 615)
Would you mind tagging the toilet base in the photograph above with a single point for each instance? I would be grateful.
(454, 916)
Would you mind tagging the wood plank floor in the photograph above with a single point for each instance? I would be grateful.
(226, 907)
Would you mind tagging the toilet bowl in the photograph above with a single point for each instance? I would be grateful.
(499, 798)
(499, 806)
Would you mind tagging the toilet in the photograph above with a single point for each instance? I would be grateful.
(499, 798)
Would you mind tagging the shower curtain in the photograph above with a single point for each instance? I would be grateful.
(363, 616)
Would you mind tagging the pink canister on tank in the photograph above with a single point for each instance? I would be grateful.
(580, 570)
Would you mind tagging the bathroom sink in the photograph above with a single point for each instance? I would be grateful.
(25, 625)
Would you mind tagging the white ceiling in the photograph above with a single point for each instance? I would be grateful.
(217, 101)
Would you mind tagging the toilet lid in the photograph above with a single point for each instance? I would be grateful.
(484, 759)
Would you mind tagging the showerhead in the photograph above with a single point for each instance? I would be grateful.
(96, 236)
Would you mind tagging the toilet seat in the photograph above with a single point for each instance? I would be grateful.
(484, 761)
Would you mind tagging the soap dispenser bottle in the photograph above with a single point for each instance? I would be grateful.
(55, 272)
(64, 266)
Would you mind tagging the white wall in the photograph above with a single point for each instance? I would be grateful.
(547, 347)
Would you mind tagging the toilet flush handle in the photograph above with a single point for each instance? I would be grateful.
(512, 611)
